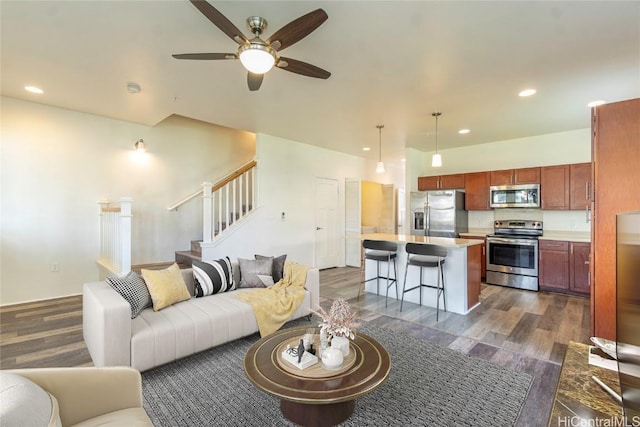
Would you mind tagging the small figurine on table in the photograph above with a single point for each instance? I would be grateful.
(300, 350)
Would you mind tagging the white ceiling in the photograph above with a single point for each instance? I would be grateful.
(392, 63)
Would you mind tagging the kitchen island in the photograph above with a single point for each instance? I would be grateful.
(462, 271)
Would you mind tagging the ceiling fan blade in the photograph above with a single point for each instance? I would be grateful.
(299, 67)
(205, 56)
(220, 21)
(254, 80)
(297, 29)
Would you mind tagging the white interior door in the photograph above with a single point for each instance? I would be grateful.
(353, 221)
(327, 238)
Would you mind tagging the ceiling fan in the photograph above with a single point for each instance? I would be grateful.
(259, 56)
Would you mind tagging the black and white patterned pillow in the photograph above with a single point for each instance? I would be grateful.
(213, 277)
(132, 288)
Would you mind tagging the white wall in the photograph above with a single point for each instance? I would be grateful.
(542, 150)
(287, 171)
(57, 163)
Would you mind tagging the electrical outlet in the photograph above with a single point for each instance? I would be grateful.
(55, 267)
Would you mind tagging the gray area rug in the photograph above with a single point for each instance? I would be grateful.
(428, 385)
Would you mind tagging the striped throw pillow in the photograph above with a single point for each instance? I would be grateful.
(213, 277)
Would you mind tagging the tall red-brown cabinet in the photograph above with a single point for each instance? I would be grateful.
(616, 188)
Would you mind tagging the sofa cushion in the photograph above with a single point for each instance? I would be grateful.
(256, 273)
(189, 327)
(166, 286)
(132, 288)
(130, 417)
(212, 277)
(277, 270)
(24, 403)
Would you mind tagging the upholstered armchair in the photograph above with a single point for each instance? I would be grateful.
(85, 396)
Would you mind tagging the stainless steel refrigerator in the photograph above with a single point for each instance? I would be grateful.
(438, 213)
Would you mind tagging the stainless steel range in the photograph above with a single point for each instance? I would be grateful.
(512, 254)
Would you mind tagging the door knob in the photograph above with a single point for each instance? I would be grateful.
(318, 228)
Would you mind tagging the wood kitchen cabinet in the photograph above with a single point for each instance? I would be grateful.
(616, 174)
(441, 182)
(579, 259)
(580, 185)
(476, 188)
(483, 255)
(553, 265)
(564, 266)
(516, 176)
(554, 187)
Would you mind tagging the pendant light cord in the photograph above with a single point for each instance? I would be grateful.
(380, 142)
(436, 115)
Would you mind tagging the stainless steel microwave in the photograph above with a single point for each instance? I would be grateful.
(515, 196)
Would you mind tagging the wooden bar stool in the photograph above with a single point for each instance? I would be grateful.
(426, 256)
(381, 251)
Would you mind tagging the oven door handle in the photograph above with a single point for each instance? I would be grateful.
(518, 242)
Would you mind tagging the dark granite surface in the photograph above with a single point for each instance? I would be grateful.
(579, 400)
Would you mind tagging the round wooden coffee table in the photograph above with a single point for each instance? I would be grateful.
(323, 401)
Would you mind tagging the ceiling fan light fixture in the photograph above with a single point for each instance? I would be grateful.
(257, 58)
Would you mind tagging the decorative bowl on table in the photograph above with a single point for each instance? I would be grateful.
(332, 358)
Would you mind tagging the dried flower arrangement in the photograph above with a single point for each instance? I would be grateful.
(340, 321)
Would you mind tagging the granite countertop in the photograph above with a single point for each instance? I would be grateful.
(569, 236)
(579, 400)
(477, 232)
(403, 238)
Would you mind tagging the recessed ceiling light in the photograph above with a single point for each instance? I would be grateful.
(527, 92)
(596, 103)
(33, 89)
(463, 131)
(366, 149)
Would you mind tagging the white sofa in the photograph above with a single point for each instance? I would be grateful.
(155, 338)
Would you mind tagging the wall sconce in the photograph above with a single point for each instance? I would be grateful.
(139, 146)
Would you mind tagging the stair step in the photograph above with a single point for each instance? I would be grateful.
(157, 266)
(195, 246)
(187, 257)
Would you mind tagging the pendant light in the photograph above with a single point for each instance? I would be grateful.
(380, 167)
(436, 160)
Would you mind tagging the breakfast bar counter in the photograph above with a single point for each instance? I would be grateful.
(462, 270)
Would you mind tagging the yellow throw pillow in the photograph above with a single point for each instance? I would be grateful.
(166, 287)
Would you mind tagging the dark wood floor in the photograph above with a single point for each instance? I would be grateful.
(522, 330)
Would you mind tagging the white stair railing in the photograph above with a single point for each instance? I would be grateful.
(115, 236)
(228, 201)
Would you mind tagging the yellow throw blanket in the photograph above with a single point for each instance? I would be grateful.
(273, 306)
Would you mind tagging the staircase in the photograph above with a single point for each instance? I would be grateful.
(224, 205)
(185, 258)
